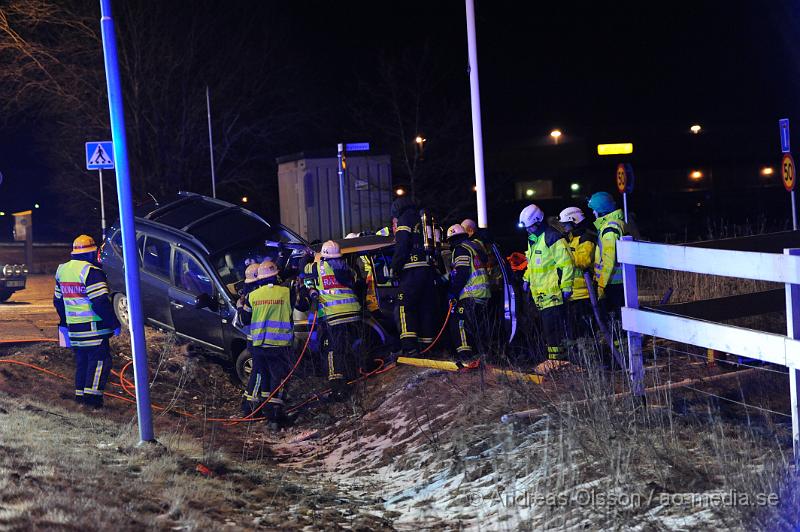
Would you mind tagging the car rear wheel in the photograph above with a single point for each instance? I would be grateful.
(121, 309)
(244, 366)
(4, 295)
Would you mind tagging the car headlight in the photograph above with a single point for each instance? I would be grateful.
(8, 270)
(17, 269)
(24, 269)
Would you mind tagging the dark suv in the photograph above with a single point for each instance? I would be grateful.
(12, 279)
(192, 255)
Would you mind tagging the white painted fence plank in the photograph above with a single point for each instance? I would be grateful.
(768, 347)
(743, 264)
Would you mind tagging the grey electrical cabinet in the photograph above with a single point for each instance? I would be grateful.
(308, 187)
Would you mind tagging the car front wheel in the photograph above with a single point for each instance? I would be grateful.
(244, 366)
(121, 309)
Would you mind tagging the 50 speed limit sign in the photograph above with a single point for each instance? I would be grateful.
(788, 172)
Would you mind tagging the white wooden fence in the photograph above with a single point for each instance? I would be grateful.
(769, 347)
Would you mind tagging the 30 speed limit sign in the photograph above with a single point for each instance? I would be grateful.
(788, 172)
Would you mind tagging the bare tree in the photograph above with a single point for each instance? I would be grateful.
(53, 76)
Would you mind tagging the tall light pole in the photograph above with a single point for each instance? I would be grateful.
(475, 100)
(130, 256)
(211, 145)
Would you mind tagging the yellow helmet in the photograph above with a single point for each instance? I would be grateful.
(83, 244)
(251, 273)
(330, 250)
(266, 270)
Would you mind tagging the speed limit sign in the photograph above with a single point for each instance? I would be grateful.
(624, 178)
(788, 172)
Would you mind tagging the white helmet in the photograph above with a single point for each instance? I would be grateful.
(530, 215)
(571, 214)
(455, 229)
(330, 250)
(351, 235)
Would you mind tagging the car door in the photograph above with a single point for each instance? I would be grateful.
(155, 281)
(194, 302)
(509, 302)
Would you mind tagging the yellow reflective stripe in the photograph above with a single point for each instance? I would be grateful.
(403, 326)
(402, 228)
(97, 372)
(463, 334)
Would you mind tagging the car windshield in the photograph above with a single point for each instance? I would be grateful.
(231, 263)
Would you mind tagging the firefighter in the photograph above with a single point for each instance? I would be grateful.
(82, 301)
(581, 240)
(414, 311)
(549, 277)
(468, 294)
(610, 226)
(333, 286)
(475, 234)
(267, 310)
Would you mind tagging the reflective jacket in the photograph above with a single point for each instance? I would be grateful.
(81, 299)
(550, 271)
(581, 242)
(409, 249)
(610, 228)
(271, 321)
(337, 300)
(468, 276)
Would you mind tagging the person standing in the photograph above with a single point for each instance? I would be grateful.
(610, 224)
(468, 293)
(581, 241)
(549, 277)
(267, 311)
(81, 299)
(333, 286)
(414, 311)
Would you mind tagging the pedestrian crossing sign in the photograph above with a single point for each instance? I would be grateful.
(100, 155)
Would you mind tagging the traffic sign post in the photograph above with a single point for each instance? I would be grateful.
(625, 184)
(100, 156)
(789, 177)
(341, 155)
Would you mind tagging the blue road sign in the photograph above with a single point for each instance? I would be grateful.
(783, 123)
(100, 155)
(358, 146)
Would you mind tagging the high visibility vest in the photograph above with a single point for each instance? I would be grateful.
(610, 228)
(271, 324)
(339, 303)
(71, 279)
(477, 286)
(582, 249)
(371, 296)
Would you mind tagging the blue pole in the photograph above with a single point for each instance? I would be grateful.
(126, 217)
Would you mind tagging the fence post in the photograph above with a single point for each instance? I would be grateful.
(634, 339)
(793, 331)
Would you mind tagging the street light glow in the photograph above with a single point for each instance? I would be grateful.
(474, 188)
(696, 175)
(575, 187)
(555, 133)
(530, 192)
(420, 139)
(244, 199)
(767, 171)
(695, 129)
(399, 191)
(35, 205)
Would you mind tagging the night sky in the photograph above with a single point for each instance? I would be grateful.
(601, 72)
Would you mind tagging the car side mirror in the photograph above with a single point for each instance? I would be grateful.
(204, 301)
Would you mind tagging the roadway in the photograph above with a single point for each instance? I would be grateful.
(30, 313)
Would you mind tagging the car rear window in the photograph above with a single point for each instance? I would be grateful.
(183, 215)
(222, 231)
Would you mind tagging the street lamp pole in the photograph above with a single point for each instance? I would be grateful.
(475, 100)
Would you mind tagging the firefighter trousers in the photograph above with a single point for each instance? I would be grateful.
(468, 328)
(270, 367)
(554, 326)
(579, 318)
(414, 310)
(92, 367)
(337, 349)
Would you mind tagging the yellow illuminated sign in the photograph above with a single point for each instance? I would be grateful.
(615, 149)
